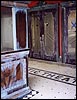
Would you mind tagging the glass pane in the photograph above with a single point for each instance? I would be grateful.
(72, 32)
(21, 29)
(6, 29)
(49, 33)
(35, 27)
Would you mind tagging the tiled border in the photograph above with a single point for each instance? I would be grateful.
(31, 94)
(53, 76)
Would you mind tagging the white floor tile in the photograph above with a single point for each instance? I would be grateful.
(51, 89)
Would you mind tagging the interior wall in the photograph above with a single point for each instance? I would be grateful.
(6, 32)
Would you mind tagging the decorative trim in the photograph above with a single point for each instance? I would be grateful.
(43, 7)
(53, 76)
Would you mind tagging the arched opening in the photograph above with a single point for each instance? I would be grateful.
(21, 29)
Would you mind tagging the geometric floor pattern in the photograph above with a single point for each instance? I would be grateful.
(53, 76)
(31, 94)
(52, 80)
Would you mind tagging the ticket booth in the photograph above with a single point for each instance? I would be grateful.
(14, 53)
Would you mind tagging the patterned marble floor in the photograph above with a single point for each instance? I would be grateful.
(52, 80)
(31, 94)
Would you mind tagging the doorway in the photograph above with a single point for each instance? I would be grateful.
(43, 39)
(69, 35)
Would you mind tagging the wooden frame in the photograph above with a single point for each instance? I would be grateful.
(66, 7)
(54, 10)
